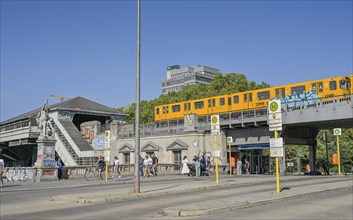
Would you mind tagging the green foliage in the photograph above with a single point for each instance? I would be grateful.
(345, 142)
(220, 85)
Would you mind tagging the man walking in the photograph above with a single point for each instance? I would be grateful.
(247, 166)
(116, 167)
(239, 164)
(154, 164)
(2, 168)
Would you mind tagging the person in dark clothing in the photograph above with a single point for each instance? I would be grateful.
(154, 164)
(141, 165)
(60, 169)
(325, 167)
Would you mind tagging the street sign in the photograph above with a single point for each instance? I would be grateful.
(337, 131)
(276, 142)
(277, 128)
(216, 153)
(229, 140)
(276, 151)
(274, 106)
(215, 124)
(274, 115)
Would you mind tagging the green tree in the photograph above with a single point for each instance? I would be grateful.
(220, 85)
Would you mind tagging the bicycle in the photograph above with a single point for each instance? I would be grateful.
(92, 173)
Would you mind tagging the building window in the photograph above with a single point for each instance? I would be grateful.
(176, 108)
(263, 95)
(177, 159)
(126, 158)
(198, 105)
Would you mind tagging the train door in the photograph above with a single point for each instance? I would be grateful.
(280, 93)
(317, 88)
(211, 103)
(247, 104)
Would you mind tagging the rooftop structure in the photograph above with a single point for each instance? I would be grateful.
(177, 77)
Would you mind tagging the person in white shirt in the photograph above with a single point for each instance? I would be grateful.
(116, 167)
(2, 169)
(147, 163)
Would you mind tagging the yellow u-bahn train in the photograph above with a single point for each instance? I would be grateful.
(254, 99)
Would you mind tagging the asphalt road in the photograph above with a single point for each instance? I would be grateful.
(36, 204)
(328, 205)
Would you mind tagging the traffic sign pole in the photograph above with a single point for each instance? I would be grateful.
(338, 155)
(230, 158)
(277, 171)
(216, 147)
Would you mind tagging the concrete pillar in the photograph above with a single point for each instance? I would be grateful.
(45, 166)
(312, 157)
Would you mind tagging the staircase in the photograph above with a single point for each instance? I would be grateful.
(77, 138)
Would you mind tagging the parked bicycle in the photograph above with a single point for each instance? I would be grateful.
(92, 173)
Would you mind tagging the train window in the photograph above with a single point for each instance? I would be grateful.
(333, 85)
(345, 84)
(221, 101)
(211, 103)
(198, 105)
(321, 88)
(229, 101)
(263, 95)
(250, 97)
(245, 97)
(298, 90)
(166, 110)
(236, 99)
(187, 106)
(176, 108)
(157, 111)
(313, 88)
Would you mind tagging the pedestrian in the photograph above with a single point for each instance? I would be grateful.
(2, 168)
(197, 167)
(185, 170)
(247, 166)
(239, 164)
(325, 167)
(116, 167)
(208, 165)
(141, 165)
(60, 168)
(154, 164)
(146, 163)
(100, 164)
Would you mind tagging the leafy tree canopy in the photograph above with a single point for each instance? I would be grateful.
(220, 85)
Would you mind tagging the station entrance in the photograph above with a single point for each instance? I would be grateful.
(254, 154)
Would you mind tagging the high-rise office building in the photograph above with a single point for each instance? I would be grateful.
(178, 77)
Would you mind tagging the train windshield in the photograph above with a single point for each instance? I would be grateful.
(345, 83)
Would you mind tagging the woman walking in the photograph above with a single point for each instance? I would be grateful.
(185, 170)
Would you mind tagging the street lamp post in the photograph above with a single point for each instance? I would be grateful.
(137, 114)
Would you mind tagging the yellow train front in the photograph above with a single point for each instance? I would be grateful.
(256, 99)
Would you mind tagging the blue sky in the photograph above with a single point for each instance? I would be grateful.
(87, 48)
